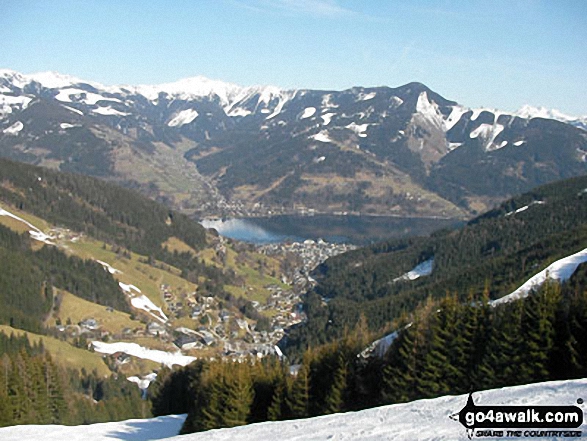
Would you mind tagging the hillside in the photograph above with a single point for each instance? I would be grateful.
(495, 252)
(423, 420)
(209, 148)
(86, 260)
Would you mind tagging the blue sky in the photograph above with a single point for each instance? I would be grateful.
(500, 54)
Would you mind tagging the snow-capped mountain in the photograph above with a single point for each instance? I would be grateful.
(381, 150)
(423, 420)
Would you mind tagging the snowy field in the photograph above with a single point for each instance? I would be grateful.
(426, 420)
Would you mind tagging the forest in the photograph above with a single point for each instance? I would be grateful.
(444, 347)
(34, 389)
(500, 249)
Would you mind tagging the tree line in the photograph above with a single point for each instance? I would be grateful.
(34, 389)
(501, 245)
(445, 347)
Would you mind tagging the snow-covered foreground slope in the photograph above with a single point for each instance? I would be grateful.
(418, 420)
(130, 430)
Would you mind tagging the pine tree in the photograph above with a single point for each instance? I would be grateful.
(334, 400)
(238, 395)
(299, 394)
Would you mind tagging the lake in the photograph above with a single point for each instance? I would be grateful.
(359, 230)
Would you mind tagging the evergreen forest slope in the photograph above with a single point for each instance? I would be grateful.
(495, 252)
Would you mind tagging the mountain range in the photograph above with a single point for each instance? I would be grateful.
(210, 148)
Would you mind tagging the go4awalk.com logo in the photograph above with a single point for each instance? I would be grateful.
(520, 421)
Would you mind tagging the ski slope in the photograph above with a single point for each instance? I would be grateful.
(425, 420)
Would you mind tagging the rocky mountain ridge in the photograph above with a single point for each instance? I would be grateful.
(211, 148)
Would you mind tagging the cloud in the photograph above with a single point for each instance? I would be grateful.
(315, 8)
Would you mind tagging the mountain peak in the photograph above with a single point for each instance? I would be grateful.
(192, 87)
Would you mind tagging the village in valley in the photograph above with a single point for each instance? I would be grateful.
(195, 324)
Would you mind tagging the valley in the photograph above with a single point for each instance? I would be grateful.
(337, 222)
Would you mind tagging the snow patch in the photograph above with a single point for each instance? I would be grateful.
(327, 117)
(519, 143)
(454, 145)
(239, 111)
(560, 270)
(308, 112)
(366, 96)
(144, 303)
(524, 208)
(429, 110)
(183, 117)
(529, 112)
(71, 109)
(454, 117)
(109, 111)
(488, 132)
(7, 102)
(359, 129)
(396, 101)
(88, 98)
(68, 126)
(318, 160)
(420, 270)
(322, 136)
(143, 382)
(110, 269)
(129, 288)
(14, 128)
(327, 101)
(35, 233)
(136, 350)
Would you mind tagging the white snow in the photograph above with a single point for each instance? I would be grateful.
(136, 350)
(319, 159)
(143, 382)
(83, 96)
(454, 145)
(283, 98)
(322, 136)
(359, 129)
(129, 430)
(128, 288)
(239, 111)
(111, 270)
(429, 110)
(519, 143)
(420, 270)
(183, 117)
(327, 101)
(144, 303)
(477, 112)
(14, 128)
(308, 112)
(422, 420)
(109, 111)
(327, 117)
(35, 233)
(65, 126)
(454, 117)
(530, 112)
(488, 132)
(524, 208)
(397, 101)
(53, 80)
(366, 96)
(190, 88)
(560, 270)
(71, 109)
(7, 102)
